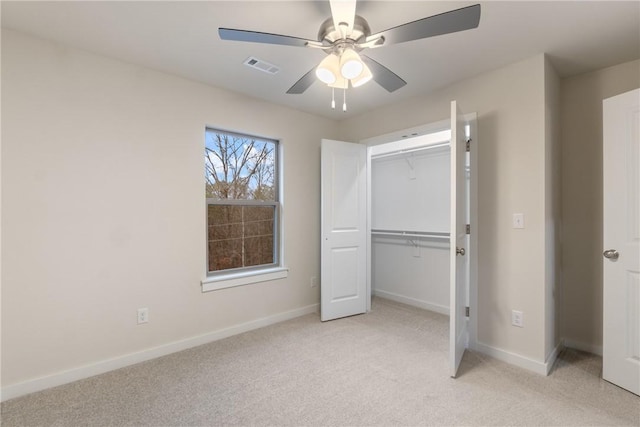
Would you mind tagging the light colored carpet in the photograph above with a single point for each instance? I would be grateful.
(388, 367)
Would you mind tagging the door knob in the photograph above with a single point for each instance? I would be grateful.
(611, 254)
(460, 251)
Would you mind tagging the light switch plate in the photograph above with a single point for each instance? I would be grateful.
(518, 220)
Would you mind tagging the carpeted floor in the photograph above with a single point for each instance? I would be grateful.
(388, 367)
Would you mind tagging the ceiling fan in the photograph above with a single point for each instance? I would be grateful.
(344, 35)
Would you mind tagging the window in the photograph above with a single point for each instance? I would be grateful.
(243, 204)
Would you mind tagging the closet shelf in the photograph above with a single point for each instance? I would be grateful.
(410, 151)
(415, 234)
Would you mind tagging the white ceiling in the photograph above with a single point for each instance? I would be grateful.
(181, 38)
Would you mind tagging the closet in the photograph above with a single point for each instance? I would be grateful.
(410, 221)
(396, 211)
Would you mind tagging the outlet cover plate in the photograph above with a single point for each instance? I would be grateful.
(143, 315)
(517, 318)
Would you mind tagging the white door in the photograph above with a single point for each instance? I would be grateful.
(458, 250)
(621, 165)
(343, 289)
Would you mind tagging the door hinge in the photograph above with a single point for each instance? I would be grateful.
(466, 311)
(468, 144)
(468, 229)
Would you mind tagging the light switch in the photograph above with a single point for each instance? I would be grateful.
(518, 220)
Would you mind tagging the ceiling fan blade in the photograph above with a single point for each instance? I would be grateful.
(303, 84)
(465, 18)
(343, 12)
(258, 37)
(382, 75)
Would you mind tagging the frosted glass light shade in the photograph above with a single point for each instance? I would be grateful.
(327, 71)
(340, 83)
(363, 78)
(350, 64)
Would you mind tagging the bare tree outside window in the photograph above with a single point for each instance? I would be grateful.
(242, 203)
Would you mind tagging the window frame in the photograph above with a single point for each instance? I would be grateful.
(239, 276)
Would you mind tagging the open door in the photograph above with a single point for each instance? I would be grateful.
(343, 289)
(621, 238)
(458, 238)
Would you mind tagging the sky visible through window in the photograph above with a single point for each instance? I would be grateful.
(239, 167)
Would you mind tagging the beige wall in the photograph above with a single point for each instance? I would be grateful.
(581, 122)
(103, 208)
(510, 103)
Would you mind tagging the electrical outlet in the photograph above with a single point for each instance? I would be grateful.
(517, 318)
(143, 315)
(314, 282)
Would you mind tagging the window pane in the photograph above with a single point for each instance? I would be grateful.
(240, 236)
(240, 167)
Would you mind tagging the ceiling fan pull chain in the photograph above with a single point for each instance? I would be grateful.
(344, 100)
(333, 99)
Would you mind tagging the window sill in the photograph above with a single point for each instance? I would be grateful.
(246, 278)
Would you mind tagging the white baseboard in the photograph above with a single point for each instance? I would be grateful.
(532, 365)
(589, 348)
(551, 359)
(86, 371)
(412, 301)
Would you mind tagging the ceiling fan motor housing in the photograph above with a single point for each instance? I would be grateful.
(332, 37)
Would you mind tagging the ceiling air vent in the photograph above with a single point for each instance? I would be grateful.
(261, 65)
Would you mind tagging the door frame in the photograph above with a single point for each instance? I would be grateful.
(442, 125)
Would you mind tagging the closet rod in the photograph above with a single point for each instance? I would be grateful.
(399, 233)
(410, 150)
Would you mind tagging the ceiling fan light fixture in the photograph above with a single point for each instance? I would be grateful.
(351, 65)
(327, 71)
(363, 78)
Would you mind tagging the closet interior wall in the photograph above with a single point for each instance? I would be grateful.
(410, 205)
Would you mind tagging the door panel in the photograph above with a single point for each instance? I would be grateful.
(344, 230)
(621, 216)
(344, 278)
(458, 251)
